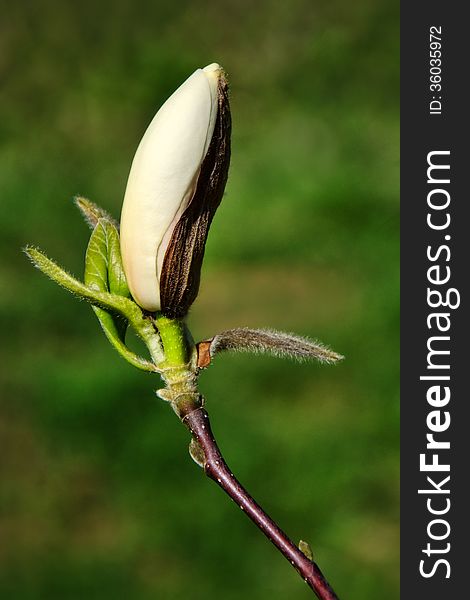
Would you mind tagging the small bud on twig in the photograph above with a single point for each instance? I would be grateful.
(306, 550)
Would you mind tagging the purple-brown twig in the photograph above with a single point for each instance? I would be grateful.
(215, 467)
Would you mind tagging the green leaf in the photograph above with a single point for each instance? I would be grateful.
(96, 259)
(116, 277)
(104, 272)
(109, 303)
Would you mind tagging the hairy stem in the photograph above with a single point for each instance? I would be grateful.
(197, 421)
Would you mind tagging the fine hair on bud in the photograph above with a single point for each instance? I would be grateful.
(269, 341)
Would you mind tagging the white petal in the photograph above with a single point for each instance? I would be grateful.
(162, 178)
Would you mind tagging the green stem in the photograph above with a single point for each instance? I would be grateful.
(179, 368)
(177, 343)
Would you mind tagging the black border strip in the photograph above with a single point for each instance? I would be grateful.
(422, 133)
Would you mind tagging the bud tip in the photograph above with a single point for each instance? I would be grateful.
(212, 68)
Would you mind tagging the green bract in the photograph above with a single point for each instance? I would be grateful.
(105, 287)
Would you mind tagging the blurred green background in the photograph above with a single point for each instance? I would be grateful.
(98, 496)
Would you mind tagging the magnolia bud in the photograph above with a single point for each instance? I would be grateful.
(175, 185)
